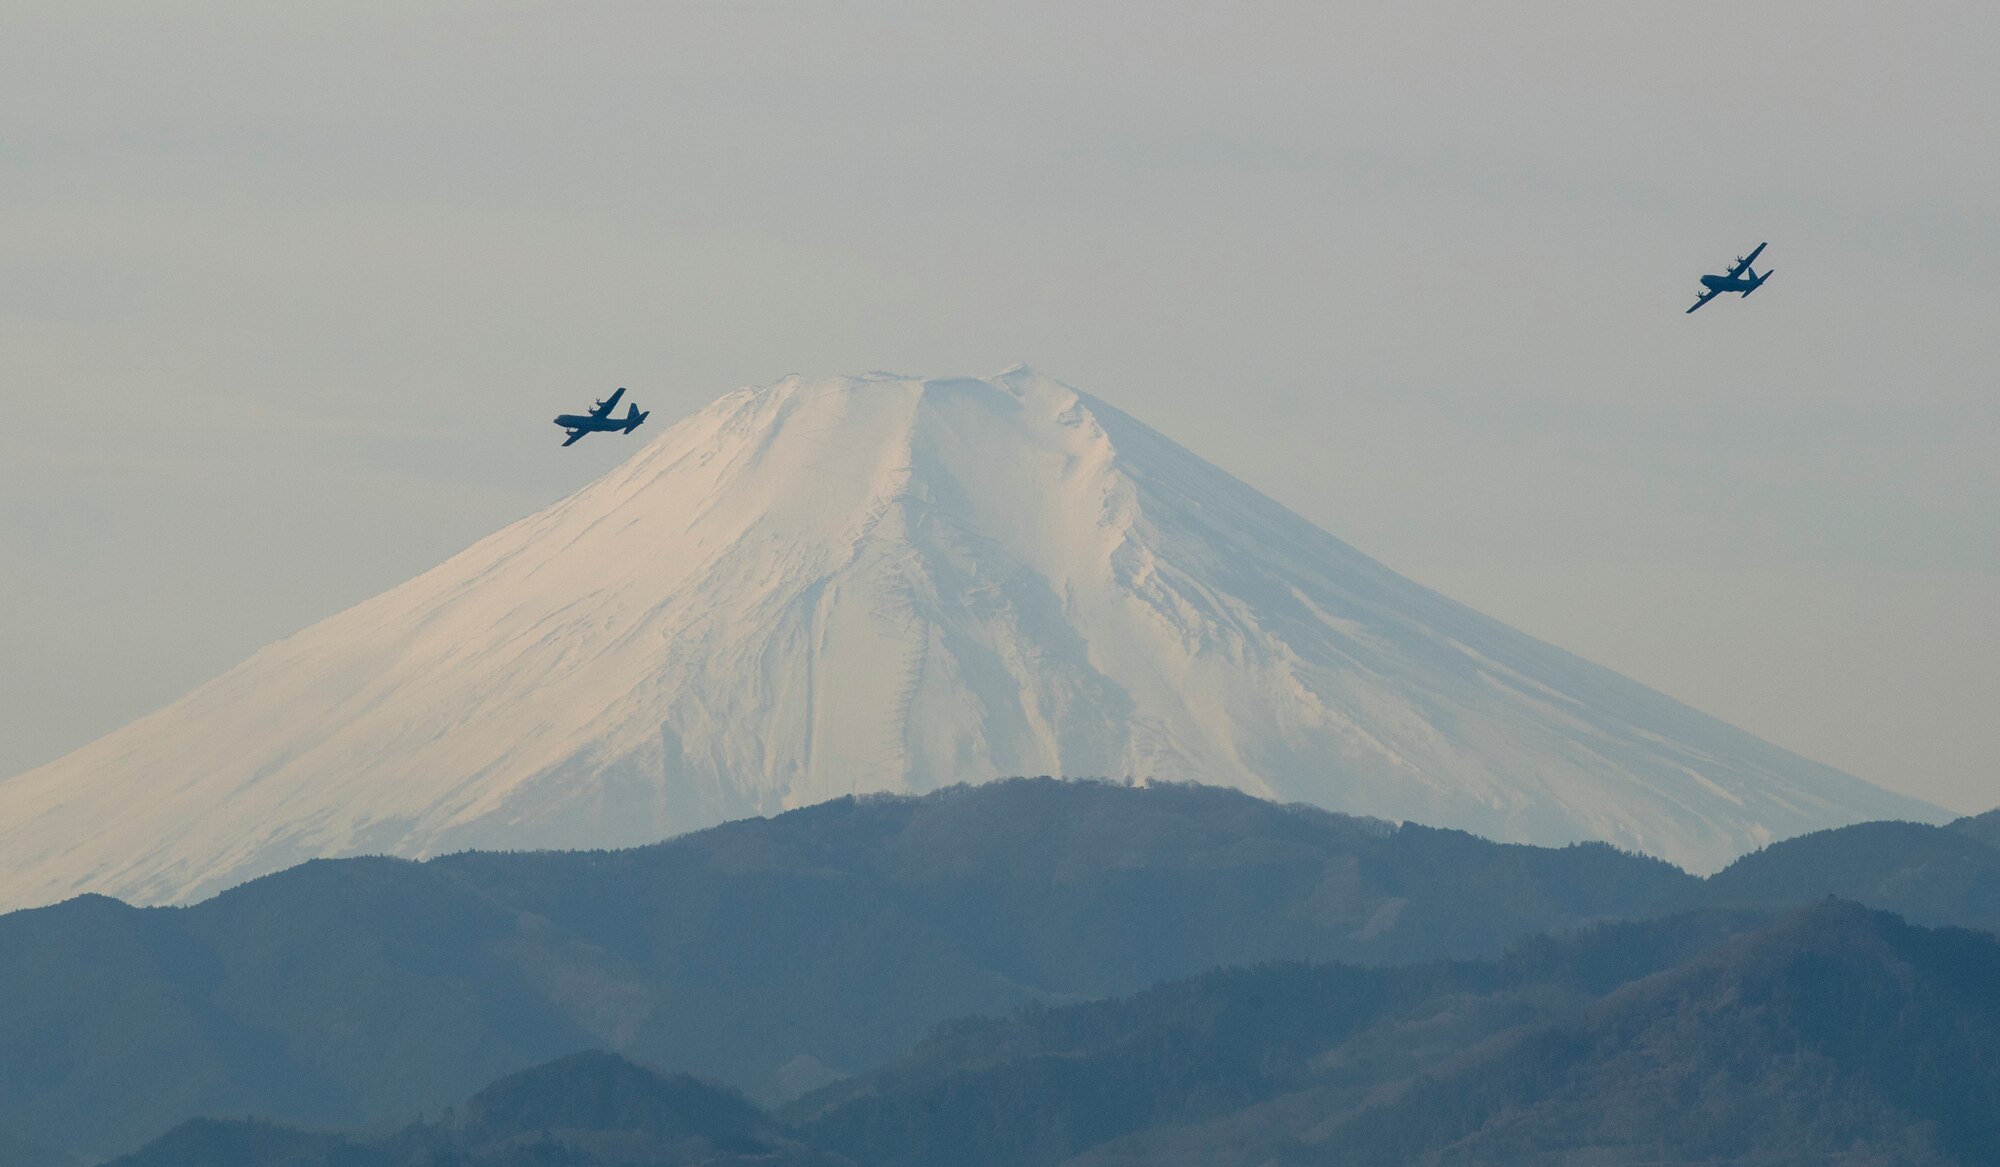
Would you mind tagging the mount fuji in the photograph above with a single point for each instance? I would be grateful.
(828, 587)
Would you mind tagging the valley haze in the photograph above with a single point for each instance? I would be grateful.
(880, 583)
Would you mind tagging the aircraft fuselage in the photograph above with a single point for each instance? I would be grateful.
(596, 425)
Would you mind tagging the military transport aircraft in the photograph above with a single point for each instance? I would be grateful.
(600, 421)
(1741, 278)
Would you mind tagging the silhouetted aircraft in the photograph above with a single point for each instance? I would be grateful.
(599, 419)
(1741, 278)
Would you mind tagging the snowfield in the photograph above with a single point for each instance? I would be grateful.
(879, 584)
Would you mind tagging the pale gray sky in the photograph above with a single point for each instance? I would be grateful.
(289, 292)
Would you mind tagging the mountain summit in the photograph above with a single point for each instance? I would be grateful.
(886, 584)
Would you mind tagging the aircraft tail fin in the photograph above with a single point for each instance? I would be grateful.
(1759, 281)
(633, 417)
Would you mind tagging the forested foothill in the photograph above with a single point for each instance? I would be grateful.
(1830, 1033)
(1049, 970)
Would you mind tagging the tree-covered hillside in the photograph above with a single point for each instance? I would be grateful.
(1830, 1034)
(775, 955)
(779, 955)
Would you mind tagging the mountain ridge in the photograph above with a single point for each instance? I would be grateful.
(779, 954)
(1823, 1033)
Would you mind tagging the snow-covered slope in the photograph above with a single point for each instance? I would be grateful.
(880, 584)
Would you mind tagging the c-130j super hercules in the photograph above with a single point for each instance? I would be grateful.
(600, 421)
(1741, 278)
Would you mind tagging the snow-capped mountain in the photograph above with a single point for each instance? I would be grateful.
(885, 584)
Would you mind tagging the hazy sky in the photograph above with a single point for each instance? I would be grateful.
(291, 291)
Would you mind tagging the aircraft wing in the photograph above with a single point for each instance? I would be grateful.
(1711, 294)
(1744, 262)
(575, 434)
(604, 407)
